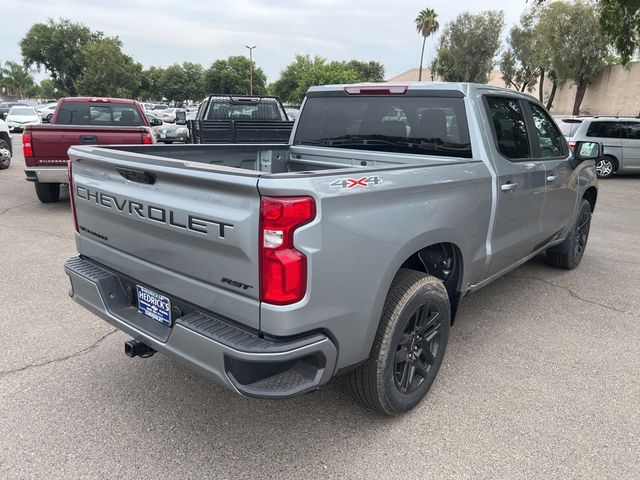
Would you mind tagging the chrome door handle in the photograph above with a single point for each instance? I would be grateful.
(551, 178)
(508, 187)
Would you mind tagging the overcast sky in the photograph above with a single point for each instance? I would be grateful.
(159, 32)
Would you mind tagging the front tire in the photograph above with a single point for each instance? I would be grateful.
(48, 192)
(606, 167)
(568, 254)
(408, 348)
(5, 155)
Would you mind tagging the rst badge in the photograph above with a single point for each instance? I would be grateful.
(364, 182)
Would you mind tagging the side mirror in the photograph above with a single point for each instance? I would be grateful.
(156, 122)
(181, 117)
(587, 151)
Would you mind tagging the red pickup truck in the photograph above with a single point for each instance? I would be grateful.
(79, 121)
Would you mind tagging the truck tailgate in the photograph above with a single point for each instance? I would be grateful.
(51, 142)
(187, 231)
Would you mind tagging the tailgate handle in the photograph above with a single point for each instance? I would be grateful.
(88, 139)
(137, 176)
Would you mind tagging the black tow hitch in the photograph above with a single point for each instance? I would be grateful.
(134, 348)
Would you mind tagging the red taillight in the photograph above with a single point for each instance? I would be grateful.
(27, 149)
(572, 145)
(147, 138)
(376, 89)
(283, 269)
(71, 193)
(99, 99)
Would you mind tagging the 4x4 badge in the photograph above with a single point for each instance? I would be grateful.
(348, 183)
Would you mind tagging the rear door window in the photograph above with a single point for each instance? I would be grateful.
(387, 123)
(632, 130)
(509, 127)
(550, 141)
(604, 129)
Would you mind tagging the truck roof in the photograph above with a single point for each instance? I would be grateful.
(403, 87)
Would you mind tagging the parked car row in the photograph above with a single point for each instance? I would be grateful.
(620, 137)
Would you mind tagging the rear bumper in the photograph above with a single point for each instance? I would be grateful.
(47, 174)
(231, 356)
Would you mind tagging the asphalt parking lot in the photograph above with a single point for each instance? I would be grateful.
(541, 378)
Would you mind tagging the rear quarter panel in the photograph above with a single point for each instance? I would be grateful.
(361, 237)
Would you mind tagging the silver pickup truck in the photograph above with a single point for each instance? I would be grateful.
(273, 268)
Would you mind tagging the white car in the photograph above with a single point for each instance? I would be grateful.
(20, 116)
(5, 146)
(46, 111)
(166, 115)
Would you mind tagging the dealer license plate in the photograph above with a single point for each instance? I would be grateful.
(154, 305)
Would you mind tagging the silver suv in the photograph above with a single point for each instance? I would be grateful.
(620, 138)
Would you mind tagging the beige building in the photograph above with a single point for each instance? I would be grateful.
(616, 91)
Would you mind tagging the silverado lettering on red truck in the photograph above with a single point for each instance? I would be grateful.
(351, 246)
(79, 121)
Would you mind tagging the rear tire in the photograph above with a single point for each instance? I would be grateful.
(568, 254)
(48, 192)
(606, 167)
(408, 348)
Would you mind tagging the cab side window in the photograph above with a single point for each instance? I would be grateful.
(549, 137)
(509, 126)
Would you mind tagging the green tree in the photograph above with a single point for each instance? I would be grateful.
(620, 23)
(577, 47)
(522, 61)
(15, 79)
(323, 73)
(371, 71)
(58, 47)
(48, 89)
(426, 24)
(109, 72)
(306, 71)
(468, 47)
(291, 75)
(231, 76)
(151, 84)
(183, 82)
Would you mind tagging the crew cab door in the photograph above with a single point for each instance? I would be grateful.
(549, 147)
(520, 184)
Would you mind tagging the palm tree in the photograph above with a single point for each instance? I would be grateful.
(426, 24)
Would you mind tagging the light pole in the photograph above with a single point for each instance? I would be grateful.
(250, 68)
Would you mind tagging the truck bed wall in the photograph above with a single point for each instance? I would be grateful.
(279, 158)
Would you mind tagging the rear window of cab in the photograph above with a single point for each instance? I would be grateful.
(98, 113)
(388, 123)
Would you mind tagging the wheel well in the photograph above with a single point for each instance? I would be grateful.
(443, 261)
(591, 195)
